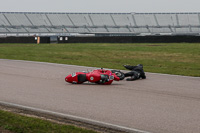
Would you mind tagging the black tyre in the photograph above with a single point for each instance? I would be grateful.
(119, 74)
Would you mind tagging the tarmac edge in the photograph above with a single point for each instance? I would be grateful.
(108, 126)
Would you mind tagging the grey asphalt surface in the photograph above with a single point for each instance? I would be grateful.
(161, 103)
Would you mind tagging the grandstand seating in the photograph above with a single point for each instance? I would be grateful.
(28, 23)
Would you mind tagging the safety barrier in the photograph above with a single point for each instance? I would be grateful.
(104, 39)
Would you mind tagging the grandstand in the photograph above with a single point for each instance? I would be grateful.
(98, 24)
(22, 27)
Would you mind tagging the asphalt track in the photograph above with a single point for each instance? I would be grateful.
(161, 103)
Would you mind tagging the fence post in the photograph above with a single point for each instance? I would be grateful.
(38, 40)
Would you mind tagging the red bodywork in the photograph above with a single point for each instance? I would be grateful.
(99, 76)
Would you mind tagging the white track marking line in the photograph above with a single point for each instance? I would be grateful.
(76, 118)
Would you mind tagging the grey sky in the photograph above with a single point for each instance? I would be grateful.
(116, 6)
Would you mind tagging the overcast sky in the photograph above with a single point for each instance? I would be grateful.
(101, 6)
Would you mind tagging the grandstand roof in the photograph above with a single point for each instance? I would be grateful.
(47, 23)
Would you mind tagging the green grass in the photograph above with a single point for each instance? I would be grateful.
(21, 124)
(170, 58)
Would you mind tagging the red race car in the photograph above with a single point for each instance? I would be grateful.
(98, 76)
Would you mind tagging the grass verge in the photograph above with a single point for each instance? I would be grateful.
(22, 124)
(169, 58)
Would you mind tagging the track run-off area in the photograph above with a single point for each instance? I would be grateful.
(161, 103)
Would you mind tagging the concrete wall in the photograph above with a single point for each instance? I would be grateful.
(133, 39)
(100, 39)
(23, 40)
